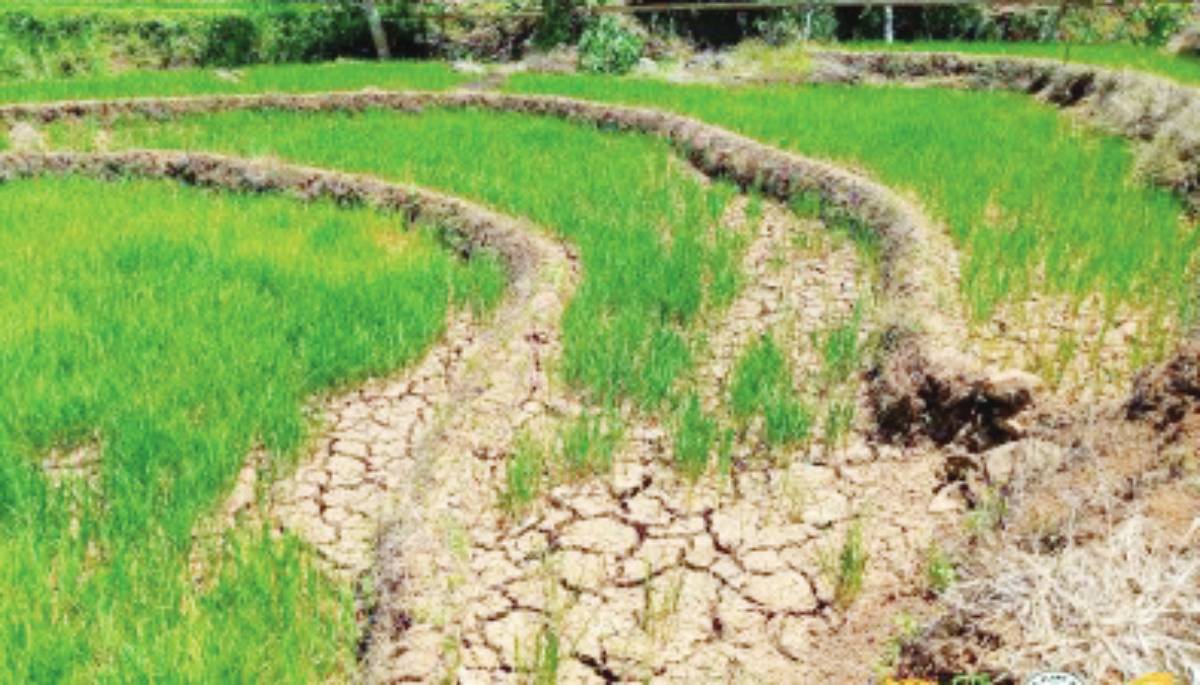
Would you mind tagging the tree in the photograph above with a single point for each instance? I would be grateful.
(378, 35)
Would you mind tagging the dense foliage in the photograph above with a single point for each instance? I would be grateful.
(607, 47)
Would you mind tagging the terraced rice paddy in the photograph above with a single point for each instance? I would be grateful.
(642, 400)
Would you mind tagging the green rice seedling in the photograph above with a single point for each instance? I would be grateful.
(940, 572)
(660, 603)
(1092, 231)
(541, 666)
(524, 474)
(646, 231)
(760, 374)
(762, 385)
(788, 421)
(695, 432)
(725, 452)
(850, 566)
(175, 329)
(841, 355)
(839, 420)
(588, 442)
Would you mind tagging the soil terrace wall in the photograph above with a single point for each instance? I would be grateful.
(926, 385)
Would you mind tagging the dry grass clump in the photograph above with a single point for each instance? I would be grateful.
(1116, 607)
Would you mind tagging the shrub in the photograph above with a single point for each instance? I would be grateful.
(557, 25)
(230, 41)
(608, 47)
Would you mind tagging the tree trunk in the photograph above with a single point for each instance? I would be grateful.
(378, 35)
(889, 25)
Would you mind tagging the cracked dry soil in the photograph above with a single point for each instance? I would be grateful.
(639, 574)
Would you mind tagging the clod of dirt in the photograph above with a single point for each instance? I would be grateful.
(1168, 396)
(915, 394)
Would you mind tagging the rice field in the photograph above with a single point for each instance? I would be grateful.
(657, 423)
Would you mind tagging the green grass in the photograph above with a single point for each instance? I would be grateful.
(177, 329)
(1114, 55)
(1037, 204)
(646, 229)
(286, 78)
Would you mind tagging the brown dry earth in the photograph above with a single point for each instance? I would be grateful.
(643, 575)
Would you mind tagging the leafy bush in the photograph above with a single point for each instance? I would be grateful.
(230, 41)
(607, 47)
(557, 25)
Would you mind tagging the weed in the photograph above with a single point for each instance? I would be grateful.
(695, 432)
